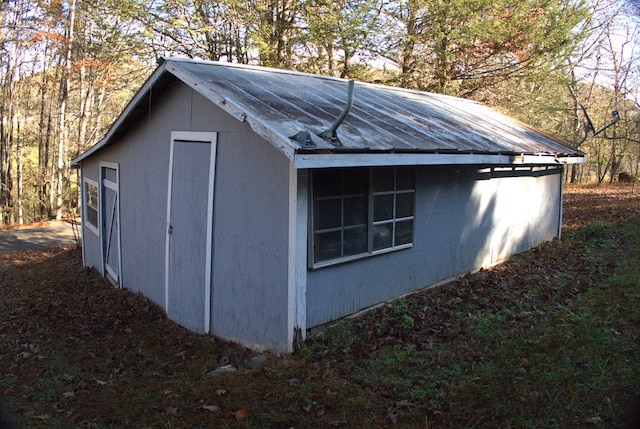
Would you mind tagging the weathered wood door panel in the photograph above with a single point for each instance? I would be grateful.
(189, 230)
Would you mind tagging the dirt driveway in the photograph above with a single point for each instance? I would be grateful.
(50, 234)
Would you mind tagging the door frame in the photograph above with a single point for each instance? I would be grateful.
(212, 139)
(103, 234)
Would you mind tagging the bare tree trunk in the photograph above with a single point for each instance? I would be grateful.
(5, 158)
(7, 81)
(635, 173)
(65, 84)
(99, 108)
(277, 18)
(408, 46)
(43, 143)
(86, 91)
(48, 189)
(85, 96)
(19, 173)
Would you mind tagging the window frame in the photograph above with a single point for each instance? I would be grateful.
(86, 183)
(371, 194)
(394, 220)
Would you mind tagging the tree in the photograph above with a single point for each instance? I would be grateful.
(15, 31)
(275, 28)
(60, 83)
(461, 46)
(335, 33)
(193, 28)
(613, 75)
(65, 84)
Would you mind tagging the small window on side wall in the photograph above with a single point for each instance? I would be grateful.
(91, 205)
(358, 212)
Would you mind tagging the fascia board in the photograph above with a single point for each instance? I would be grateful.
(308, 160)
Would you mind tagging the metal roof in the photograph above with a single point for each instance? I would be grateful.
(414, 127)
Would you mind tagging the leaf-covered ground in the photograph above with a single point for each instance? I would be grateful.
(550, 338)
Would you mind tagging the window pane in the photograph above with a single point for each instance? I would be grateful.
(326, 183)
(327, 246)
(355, 241)
(355, 211)
(382, 207)
(356, 181)
(92, 195)
(343, 212)
(383, 179)
(110, 174)
(405, 178)
(382, 235)
(92, 216)
(404, 232)
(327, 214)
(404, 204)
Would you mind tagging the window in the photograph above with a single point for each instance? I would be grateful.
(91, 205)
(361, 211)
(393, 207)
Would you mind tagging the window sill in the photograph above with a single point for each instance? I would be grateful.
(348, 259)
(92, 228)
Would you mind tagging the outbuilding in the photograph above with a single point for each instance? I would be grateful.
(253, 203)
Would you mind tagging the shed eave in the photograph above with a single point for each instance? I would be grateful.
(328, 160)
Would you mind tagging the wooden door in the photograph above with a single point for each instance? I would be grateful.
(189, 229)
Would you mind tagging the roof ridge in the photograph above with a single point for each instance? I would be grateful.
(256, 67)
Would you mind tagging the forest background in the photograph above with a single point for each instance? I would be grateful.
(68, 68)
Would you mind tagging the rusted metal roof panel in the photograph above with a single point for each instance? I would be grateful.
(381, 119)
(279, 104)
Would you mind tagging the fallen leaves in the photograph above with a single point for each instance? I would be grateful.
(76, 352)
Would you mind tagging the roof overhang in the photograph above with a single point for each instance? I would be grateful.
(327, 160)
(279, 130)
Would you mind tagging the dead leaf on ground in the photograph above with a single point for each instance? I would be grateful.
(212, 408)
(172, 411)
(594, 420)
(242, 414)
(45, 417)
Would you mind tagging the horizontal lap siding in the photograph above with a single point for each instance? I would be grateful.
(466, 218)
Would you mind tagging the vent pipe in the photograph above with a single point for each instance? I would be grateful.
(331, 133)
